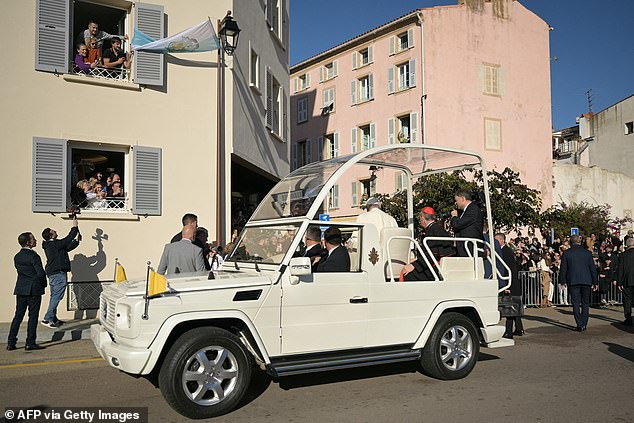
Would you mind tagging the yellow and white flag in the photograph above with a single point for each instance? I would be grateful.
(158, 284)
(119, 274)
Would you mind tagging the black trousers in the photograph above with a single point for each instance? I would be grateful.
(580, 297)
(519, 326)
(628, 292)
(22, 302)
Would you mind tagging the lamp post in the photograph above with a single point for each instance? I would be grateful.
(229, 32)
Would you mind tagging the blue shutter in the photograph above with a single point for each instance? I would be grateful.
(147, 176)
(49, 174)
(52, 34)
(148, 66)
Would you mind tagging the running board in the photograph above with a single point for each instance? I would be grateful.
(341, 360)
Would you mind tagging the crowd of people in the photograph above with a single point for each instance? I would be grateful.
(97, 193)
(90, 53)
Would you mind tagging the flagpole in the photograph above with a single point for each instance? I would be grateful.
(220, 168)
(116, 263)
(147, 292)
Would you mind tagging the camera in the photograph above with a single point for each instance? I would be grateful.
(73, 211)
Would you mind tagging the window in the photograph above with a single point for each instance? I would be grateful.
(303, 154)
(61, 20)
(301, 83)
(333, 197)
(491, 79)
(400, 181)
(405, 76)
(629, 128)
(354, 193)
(403, 133)
(274, 17)
(328, 71)
(367, 135)
(302, 110)
(362, 57)
(402, 41)
(328, 105)
(366, 89)
(275, 106)
(254, 70)
(493, 135)
(60, 165)
(332, 145)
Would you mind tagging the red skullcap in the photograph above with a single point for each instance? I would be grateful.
(428, 210)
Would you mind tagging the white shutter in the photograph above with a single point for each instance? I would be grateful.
(370, 54)
(390, 130)
(390, 80)
(413, 127)
(320, 149)
(493, 138)
(353, 92)
(269, 99)
(307, 80)
(334, 68)
(355, 60)
(49, 175)
(392, 45)
(284, 116)
(355, 195)
(146, 196)
(309, 152)
(321, 74)
(325, 98)
(372, 135)
(412, 73)
(335, 140)
(52, 32)
(293, 156)
(148, 66)
(370, 86)
(410, 37)
(353, 140)
(295, 85)
(334, 196)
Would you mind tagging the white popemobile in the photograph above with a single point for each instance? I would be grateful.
(206, 335)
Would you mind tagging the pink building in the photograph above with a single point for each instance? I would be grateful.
(475, 78)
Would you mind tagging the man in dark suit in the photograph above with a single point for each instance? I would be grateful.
(469, 223)
(28, 292)
(313, 246)
(418, 270)
(338, 258)
(580, 274)
(515, 289)
(626, 279)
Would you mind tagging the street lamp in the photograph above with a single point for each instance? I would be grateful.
(229, 32)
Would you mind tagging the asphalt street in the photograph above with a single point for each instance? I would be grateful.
(552, 374)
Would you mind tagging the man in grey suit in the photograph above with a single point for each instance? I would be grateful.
(182, 256)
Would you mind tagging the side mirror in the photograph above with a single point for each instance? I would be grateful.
(300, 266)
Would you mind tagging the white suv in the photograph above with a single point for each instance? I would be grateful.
(265, 307)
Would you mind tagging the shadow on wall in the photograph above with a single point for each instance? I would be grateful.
(85, 278)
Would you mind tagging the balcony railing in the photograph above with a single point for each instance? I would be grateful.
(120, 74)
(104, 205)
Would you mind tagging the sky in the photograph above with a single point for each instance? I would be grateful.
(591, 46)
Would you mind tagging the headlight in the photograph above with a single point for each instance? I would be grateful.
(123, 316)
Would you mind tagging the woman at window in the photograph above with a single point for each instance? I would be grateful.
(98, 198)
(94, 53)
(82, 53)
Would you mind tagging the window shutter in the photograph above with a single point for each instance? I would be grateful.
(320, 149)
(392, 45)
(52, 32)
(295, 84)
(372, 135)
(146, 198)
(334, 196)
(390, 80)
(334, 68)
(370, 86)
(370, 54)
(353, 140)
(148, 66)
(307, 80)
(284, 122)
(309, 152)
(321, 74)
(335, 140)
(49, 173)
(269, 12)
(355, 195)
(412, 73)
(410, 37)
(293, 156)
(413, 127)
(355, 60)
(390, 130)
(325, 98)
(397, 181)
(353, 92)
(269, 99)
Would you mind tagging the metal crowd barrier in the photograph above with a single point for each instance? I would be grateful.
(533, 293)
(84, 295)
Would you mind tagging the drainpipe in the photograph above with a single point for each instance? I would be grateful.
(423, 137)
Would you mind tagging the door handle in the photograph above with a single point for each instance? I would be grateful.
(358, 300)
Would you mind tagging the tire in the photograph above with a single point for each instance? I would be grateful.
(452, 349)
(206, 373)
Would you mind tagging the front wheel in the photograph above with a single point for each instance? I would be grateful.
(205, 373)
(452, 349)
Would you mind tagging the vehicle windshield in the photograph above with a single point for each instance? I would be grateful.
(294, 195)
(265, 244)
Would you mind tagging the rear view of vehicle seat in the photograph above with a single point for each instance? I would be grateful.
(461, 268)
(399, 250)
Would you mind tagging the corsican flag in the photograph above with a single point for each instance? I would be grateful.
(201, 37)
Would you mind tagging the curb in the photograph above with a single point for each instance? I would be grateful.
(69, 331)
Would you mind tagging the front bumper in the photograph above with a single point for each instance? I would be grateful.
(127, 359)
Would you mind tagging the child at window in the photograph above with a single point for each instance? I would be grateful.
(94, 53)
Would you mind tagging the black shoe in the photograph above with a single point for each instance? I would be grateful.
(508, 336)
(10, 347)
(579, 329)
(48, 324)
(519, 333)
(583, 329)
(628, 321)
(34, 347)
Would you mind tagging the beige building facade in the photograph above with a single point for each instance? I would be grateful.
(155, 126)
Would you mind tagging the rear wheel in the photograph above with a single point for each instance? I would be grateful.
(205, 373)
(452, 349)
